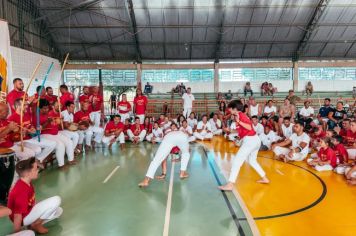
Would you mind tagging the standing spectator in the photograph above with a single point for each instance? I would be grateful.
(96, 101)
(112, 101)
(228, 95)
(323, 114)
(248, 89)
(309, 88)
(188, 99)
(336, 115)
(140, 105)
(293, 98)
(306, 114)
(66, 96)
(148, 88)
(124, 108)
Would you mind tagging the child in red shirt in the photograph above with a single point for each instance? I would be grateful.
(22, 201)
(341, 155)
(326, 159)
(114, 132)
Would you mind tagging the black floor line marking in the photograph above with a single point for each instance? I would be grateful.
(316, 202)
(227, 201)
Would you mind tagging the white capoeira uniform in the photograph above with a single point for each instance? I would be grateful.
(259, 129)
(268, 139)
(352, 153)
(287, 131)
(172, 139)
(22, 155)
(42, 149)
(23, 233)
(187, 104)
(63, 146)
(296, 140)
(107, 139)
(189, 130)
(204, 133)
(234, 135)
(72, 135)
(95, 116)
(47, 210)
(157, 134)
(192, 122)
(141, 135)
(215, 127)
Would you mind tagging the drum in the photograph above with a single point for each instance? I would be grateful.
(73, 127)
(7, 171)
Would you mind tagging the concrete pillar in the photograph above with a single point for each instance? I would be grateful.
(216, 77)
(139, 75)
(295, 76)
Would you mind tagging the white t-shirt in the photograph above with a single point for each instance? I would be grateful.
(189, 130)
(306, 111)
(213, 125)
(158, 133)
(254, 110)
(287, 131)
(67, 117)
(269, 138)
(188, 100)
(206, 127)
(167, 125)
(192, 122)
(296, 140)
(258, 128)
(270, 109)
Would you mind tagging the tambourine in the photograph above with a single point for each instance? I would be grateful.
(84, 123)
(73, 127)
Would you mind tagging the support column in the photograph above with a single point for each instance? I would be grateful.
(139, 75)
(295, 76)
(216, 77)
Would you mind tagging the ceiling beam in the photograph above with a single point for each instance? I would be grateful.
(313, 22)
(131, 13)
(221, 34)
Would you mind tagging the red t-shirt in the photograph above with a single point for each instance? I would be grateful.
(349, 138)
(328, 155)
(136, 129)
(340, 152)
(99, 100)
(241, 130)
(148, 128)
(6, 142)
(124, 104)
(12, 96)
(140, 105)
(27, 123)
(126, 128)
(21, 199)
(51, 128)
(160, 122)
(51, 98)
(84, 98)
(81, 116)
(53, 114)
(112, 127)
(65, 98)
(175, 150)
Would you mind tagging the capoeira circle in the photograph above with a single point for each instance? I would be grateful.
(250, 144)
(172, 139)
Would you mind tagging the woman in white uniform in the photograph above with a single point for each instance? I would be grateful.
(172, 139)
(250, 144)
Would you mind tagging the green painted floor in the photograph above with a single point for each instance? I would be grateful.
(119, 207)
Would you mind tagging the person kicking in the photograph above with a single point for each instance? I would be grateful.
(172, 139)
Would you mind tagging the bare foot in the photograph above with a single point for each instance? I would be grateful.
(161, 177)
(183, 175)
(351, 182)
(122, 146)
(264, 180)
(72, 163)
(228, 187)
(38, 227)
(144, 183)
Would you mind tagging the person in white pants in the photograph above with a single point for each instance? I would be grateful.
(173, 139)
(216, 125)
(114, 132)
(140, 105)
(299, 148)
(250, 144)
(326, 158)
(124, 108)
(22, 201)
(188, 99)
(203, 129)
(68, 120)
(188, 131)
(136, 132)
(96, 101)
(157, 134)
(4, 211)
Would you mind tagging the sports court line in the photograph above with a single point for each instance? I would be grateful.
(279, 172)
(227, 201)
(167, 218)
(111, 174)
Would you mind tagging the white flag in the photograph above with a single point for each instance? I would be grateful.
(5, 59)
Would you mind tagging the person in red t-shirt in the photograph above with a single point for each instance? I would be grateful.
(9, 131)
(42, 149)
(35, 100)
(66, 96)
(114, 132)
(326, 159)
(315, 136)
(140, 105)
(22, 201)
(124, 107)
(50, 97)
(49, 130)
(127, 126)
(85, 96)
(341, 155)
(136, 132)
(351, 140)
(147, 125)
(16, 93)
(97, 105)
(250, 144)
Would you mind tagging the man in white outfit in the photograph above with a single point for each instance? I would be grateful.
(216, 125)
(188, 99)
(22, 201)
(173, 139)
(257, 126)
(188, 131)
(203, 129)
(287, 127)
(68, 120)
(157, 134)
(299, 148)
(268, 138)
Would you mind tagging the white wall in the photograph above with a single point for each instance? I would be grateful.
(328, 85)
(282, 86)
(24, 62)
(196, 87)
